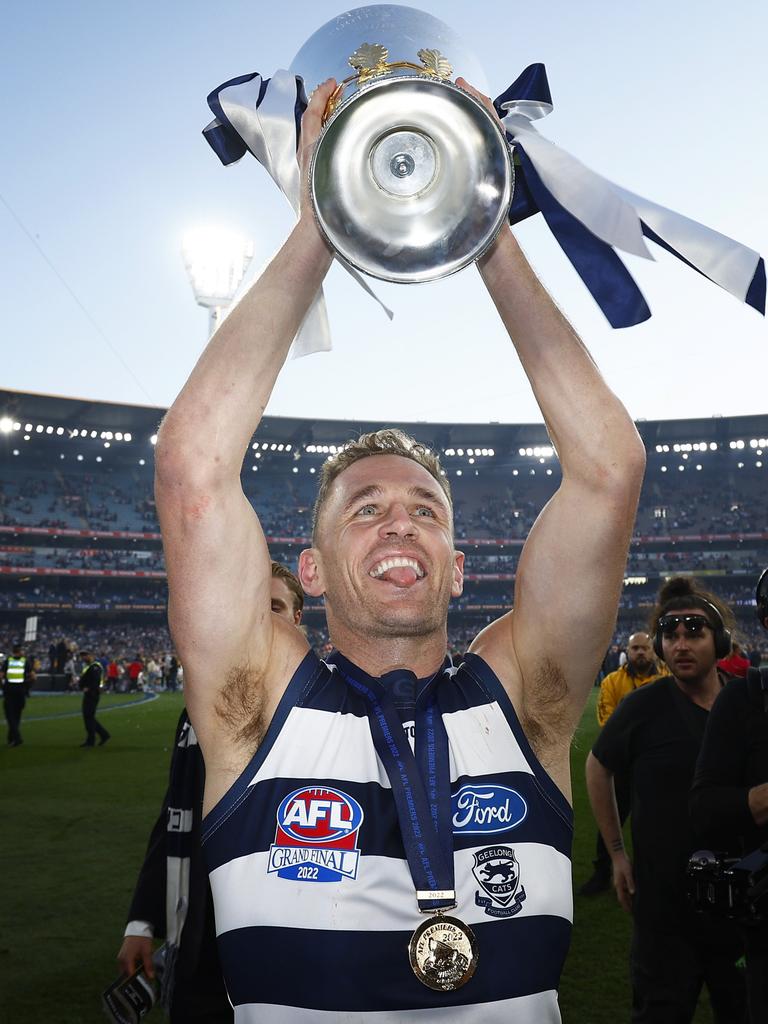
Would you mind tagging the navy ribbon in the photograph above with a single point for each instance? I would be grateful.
(421, 783)
(597, 263)
(224, 140)
(594, 258)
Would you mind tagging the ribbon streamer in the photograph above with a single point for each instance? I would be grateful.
(589, 215)
(263, 116)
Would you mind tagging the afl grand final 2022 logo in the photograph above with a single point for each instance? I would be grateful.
(316, 836)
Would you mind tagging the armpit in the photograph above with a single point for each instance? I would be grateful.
(241, 706)
(546, 714)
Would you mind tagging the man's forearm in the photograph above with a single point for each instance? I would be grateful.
(222, 403)
(758, 804)
(602, 797)
(590, 428)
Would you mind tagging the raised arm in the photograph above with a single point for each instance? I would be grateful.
(548, 650)
(571, 568)
(218, 565)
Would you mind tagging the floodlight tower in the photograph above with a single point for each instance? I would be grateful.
(216, 260)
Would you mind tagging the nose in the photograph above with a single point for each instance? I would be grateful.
(397, 522)
(680, 639)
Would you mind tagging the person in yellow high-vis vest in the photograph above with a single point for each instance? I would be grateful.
(17, 673)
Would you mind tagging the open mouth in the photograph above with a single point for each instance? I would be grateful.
(400, 570)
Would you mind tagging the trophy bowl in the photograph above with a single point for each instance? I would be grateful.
(412, 177)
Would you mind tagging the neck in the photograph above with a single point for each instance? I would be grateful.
(422, 655)
(702, 690)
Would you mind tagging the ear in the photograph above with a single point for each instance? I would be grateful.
(297, 617)
(310, 575)
(457, 586)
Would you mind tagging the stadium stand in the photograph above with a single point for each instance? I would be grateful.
(80, 546)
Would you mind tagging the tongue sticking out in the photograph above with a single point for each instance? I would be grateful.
(402, 576)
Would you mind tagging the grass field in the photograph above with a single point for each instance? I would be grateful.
(74, 827)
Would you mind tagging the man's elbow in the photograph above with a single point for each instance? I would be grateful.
(182, 462)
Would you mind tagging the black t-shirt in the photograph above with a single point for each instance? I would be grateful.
(654, 736)
(733, 758)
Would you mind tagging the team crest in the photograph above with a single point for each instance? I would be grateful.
(316, 837)
(498, 872)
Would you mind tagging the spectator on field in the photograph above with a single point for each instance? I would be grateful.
(134, 670)
(736, 664)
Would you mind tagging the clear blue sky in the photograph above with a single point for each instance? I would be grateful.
(104, 164)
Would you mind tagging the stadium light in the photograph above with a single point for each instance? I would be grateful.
(6, 424)
(216, 261)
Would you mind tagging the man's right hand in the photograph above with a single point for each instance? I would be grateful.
(623, 880)
(136, 951)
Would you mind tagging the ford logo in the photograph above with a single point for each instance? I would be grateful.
(484, 809)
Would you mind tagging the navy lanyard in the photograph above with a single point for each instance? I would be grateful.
(421, 786)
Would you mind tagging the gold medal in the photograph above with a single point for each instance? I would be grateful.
(443, 953)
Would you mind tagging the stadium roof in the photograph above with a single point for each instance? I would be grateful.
(78, 413)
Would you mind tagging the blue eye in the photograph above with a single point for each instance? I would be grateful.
(366, 509)
(424, 511)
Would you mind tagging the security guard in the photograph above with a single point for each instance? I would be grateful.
(17, 672)
(90, 684)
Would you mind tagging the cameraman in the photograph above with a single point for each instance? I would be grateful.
(729, 799)
(654, 737)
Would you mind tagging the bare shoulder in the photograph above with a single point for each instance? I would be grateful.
(231, 728)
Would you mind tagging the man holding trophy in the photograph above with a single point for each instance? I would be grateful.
(355, 870)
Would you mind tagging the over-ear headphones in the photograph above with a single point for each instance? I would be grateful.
(721, 634)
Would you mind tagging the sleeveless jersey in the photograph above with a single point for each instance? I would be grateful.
(314, 900)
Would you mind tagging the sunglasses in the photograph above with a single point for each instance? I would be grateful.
(694, 625)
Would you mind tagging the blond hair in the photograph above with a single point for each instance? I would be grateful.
(389, 441)
(282, 572)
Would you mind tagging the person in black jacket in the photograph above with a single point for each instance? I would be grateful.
(729, 798)
(90, 684)
(172, 898)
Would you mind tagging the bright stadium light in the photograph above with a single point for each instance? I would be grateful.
(216, 260)
(6, 424)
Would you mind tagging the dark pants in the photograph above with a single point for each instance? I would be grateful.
(199, 993)
(668, 972)
(756, 938)
(13, 705)
(90, 703)
(602, 861)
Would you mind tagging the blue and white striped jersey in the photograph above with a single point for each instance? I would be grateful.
(315, 904)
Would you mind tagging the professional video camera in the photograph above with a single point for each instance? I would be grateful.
(730, 887)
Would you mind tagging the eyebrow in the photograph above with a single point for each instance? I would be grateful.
(374, 490)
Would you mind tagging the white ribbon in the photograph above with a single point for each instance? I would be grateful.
(269, 131)
(610, 212)
(614, 214)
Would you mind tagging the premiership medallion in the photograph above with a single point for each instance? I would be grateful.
(443, 953)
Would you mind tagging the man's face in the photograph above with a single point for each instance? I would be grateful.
(640, 652)
(284, 601)
(689, 651)
(384, 555)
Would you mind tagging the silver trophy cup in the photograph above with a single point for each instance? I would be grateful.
(412, 178)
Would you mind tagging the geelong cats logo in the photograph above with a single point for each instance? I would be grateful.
(498, 872)
(316, 836)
